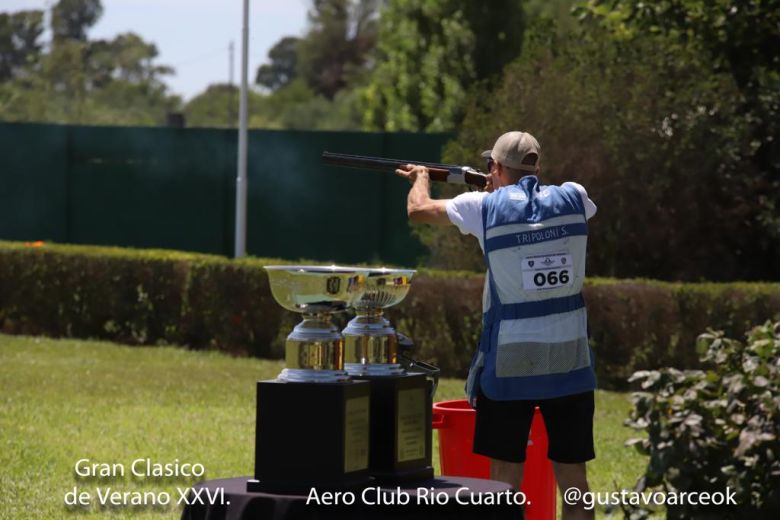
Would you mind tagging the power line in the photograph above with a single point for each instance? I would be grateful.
(201, 57)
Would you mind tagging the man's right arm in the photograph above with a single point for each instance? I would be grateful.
(465, 212)
(419, 205)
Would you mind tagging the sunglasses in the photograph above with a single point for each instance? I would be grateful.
(490, 163)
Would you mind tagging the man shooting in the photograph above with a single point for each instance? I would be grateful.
(534, 346)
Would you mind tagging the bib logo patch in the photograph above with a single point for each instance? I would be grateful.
(542, 272)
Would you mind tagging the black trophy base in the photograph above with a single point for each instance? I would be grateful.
(401, 434)
(311, 435)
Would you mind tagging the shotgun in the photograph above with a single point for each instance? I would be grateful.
(438, 172)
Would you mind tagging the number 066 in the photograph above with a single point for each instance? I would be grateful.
(552, 278)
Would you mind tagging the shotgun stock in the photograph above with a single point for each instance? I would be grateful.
(450, 173)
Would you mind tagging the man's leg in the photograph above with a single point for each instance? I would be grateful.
(569, 422)
(573, 476)
(509, 472)
(501, 433)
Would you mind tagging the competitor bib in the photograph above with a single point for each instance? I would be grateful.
(542, 272)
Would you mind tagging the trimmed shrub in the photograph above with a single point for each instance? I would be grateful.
(715, 429)
(642, 324)
(228, 306)
(123, 295)
(205, 301)
(139, 297)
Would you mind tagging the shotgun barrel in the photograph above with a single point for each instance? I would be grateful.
(439, 172)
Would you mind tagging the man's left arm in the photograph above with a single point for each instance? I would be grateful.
(419, 205)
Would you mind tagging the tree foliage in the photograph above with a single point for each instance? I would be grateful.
(498, 28)
(283, 66)
(293, 106)
(421, 76)
(81, 81)
(72, 18)
(215, 107)
(659, 137)
(429, 54)
(19, 41)
(341, 34)
(738, 39)
(125, 58)
(313, 79)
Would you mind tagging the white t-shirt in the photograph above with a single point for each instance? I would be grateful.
(465, 210)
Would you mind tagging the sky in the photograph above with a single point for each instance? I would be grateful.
(193, 36)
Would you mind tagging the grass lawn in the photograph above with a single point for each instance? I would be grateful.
(65, 400)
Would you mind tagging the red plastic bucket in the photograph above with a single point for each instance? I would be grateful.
(455, 422)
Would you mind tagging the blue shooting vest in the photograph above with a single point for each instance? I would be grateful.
(534, 342)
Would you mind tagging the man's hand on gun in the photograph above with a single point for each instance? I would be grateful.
(410, 172)
(488, 183)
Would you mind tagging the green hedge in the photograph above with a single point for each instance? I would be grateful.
(167, 297)
(139, 297)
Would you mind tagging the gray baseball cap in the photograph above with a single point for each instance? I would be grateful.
(512, 147)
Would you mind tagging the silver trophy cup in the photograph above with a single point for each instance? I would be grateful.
(371, 343)
(314, 351)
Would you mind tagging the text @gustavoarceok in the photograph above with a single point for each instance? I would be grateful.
(102, 484)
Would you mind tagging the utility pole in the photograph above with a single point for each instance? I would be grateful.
(230, 64)
(241, 182)
(231, 117)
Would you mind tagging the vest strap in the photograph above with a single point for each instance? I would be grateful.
(519, 311)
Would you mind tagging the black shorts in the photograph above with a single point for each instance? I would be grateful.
(502, 428)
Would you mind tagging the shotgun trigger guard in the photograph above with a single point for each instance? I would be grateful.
(405, 347)
(457, 175)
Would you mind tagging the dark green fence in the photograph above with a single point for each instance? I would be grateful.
(175, 188)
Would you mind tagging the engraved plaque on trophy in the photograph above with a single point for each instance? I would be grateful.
(313, 424)
(400, 439)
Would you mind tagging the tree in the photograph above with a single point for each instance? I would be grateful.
(294, 106)
(337, 44)
(79, 81)
(313, 79)
(72, 18)
(738, 38)
(498, 28)
(297, 106)
(557, 10)
(19, 41)
(656, 135)
(283, 66)
(430, 53)
(125, 58)
(216, 107)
